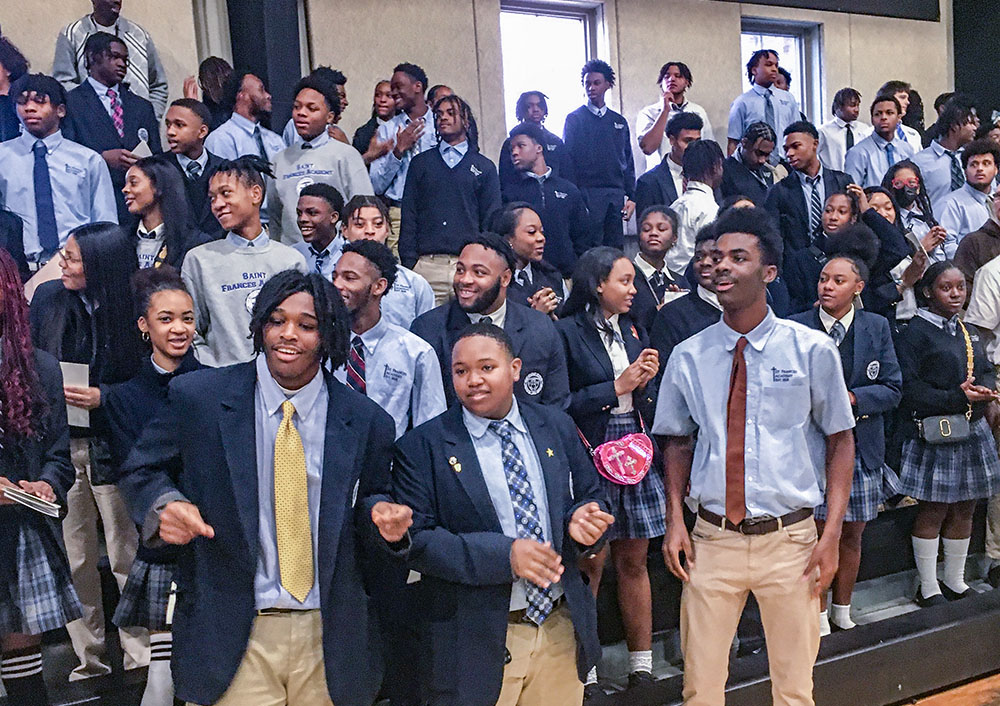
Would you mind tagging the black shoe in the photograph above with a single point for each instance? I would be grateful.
(955, 595)
(936, 599)
(592, 692)
(638, 680)
(746, 648)
(993, 576)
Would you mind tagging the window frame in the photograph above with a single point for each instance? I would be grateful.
(810, 73)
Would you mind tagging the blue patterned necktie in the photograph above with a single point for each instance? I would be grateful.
(45, 212)
(769, 110)
(837, 332)
(957, 173)
(529, 525)
(890, 154)
(815, 207)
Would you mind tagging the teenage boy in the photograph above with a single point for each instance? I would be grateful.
(451, 192)
(601, 153)
(941, 162)
(762, 102)
(696, 207)
(839, 135)
(785, 397)
(870, 159)
(746, 171)
(901, 91)
(290, 135)
(50, 182)
(674, 81)
(662, 184)
(317, 214)
(968, 208)
(187, 122)
(318, 158)
(520, 626)
(557, 201)
(224, 277)
(798, 200)
(532, 108)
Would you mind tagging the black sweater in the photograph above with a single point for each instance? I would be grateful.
(556, 156)
(600, 150)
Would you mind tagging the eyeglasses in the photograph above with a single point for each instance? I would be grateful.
(67, 258)
(899, 183)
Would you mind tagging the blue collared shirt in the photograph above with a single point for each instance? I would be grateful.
(241, 242)
(796, 396)
(234, 138)
(388, 174)
(202, 161)
(867, 162)
(490, 456)
(599, 112)
(749, 108)
(81, 186)
(408, 297)
(962, 211)
(310, 404)
(935, 168)
(453, 154)
(402, 375)
(102, 93)
(331, 253)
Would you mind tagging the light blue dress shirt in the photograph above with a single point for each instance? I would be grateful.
(409, 297)
(490, 456)
(241, 242)
(234, 138)
(387, 173)
(749, 108)
(202, 161)
(452, 154)
(310, 404)
(81, 186)
(332, 252)
(402, 375)
(867, 162)
(961, 212)
(935, 167)
(796, 396)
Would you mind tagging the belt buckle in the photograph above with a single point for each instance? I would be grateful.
(753, 522)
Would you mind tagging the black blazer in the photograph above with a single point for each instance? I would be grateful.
(591, 377)
(738, 180)
(197, 195)
(542, 275)
(679, 320)
(543, 370)
(874, 378)
(12, 240)
(206, 436)
(787, 202)
(655, 188)
(880, 295)
(190, 239)
(464, 558)
(644, 304)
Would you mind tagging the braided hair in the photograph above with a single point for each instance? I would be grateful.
(22, 405)
(463, 109)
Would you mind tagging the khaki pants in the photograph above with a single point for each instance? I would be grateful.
(84, 504)
(727, 567)
(283, 663)
(542, 669)
(395, 219)
(439, 271)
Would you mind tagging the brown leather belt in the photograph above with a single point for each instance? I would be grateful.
(756, 525)
(521, 616)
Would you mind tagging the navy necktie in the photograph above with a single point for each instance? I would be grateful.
(849, 140)
(957, 173)
(259, 139)
(659, 284)
(837, 332)
(48, 233)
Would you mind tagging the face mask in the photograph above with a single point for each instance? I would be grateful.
(906, 196)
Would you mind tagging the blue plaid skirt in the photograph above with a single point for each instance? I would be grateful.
(640, 509)
(869, 489)
(951, 473)
(41, 596)
(144, 599)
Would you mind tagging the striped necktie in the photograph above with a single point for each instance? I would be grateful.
(356, 366)
(890, 154)
(815, 206)
(117, 117)
(957, 173)
(837, 332)
(769, 110)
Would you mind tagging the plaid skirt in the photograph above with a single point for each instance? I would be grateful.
(146, 595)
(40, 597)
(640, 509)
(869, 489)
(951, 473)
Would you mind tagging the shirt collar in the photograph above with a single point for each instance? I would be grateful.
(51, 142)
(936, 319)
(700, 186)
(318, 141)
(540, 177)
(842, 124)
(498, 317)
(370, 338)
(243, 123)
(102, 90)
(599, 112)
(336, 245)
(804, 178)
(881, 142)
(975, 193)
(478, 426)
(756, 338)
(157, 368)
(709, 296)
(157, 232)
(673, 166)
(761, 91)
(241, 242)
(273, 395)
(461, 148)
(202, 161)
(939, 149)
(680, 107)
(527, 269)
(428, 116)
(828, 321)
(648, 270)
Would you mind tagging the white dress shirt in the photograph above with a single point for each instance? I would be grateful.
(614, 344)
(984, 305)
(651, 113)
(694, 208)
(833, 141)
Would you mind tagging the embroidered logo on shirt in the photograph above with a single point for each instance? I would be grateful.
(560, 194)
(778, 375)
(619, 126)
(251, 300)
(533, 383)
(472, 168)
(550, 148)
(75, 171)
(872, 370)
(393, 375)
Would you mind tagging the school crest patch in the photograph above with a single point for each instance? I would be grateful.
(533, 383)
(873, 368)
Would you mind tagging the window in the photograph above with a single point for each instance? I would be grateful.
(797, 45)
(544, 46)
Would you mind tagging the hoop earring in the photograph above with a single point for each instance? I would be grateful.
(145, 336)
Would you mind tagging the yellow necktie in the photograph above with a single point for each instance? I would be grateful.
(291, 508)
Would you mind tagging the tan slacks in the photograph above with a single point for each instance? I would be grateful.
(542, 669)
(727, 567)
(395, 220)
(85, 503)
(283, 663)
(439, 271)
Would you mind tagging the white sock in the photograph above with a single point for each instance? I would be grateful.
(956, 551)
(840, 615)
(925, 553)
(641, 661)
(159, 683)
(824, 624)
(591, 676)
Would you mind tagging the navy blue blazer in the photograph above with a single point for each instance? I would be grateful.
(655, 188)
(738, 180)
(543, 369)
(874, 378)
(463, 556)
(196, 191)
(644, 307)
(12, 240)
(787, 201)
(206, 435)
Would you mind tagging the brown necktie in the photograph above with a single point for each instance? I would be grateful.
(736, 423)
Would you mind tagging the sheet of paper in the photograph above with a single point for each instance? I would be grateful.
(31, 501)
(77, 375)
(142, 150)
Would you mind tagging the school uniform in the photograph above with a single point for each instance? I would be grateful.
(651, 113)
(881, 295)
(533, 277)
(557, 158)
(240, 136)
(872, 374)
(682, 318)
(942, 172)
(960, 212)
(869, 160)
(739, 180)
(657, 187)
(652, 290)
(837, 138)
(695, 208)
(791, 203)
(196, 180)
(152, 249)
(322, 262)
(543, 369)
(802, 269)
(408, 297)
(483, 644)
(600, 150)
(770, 105)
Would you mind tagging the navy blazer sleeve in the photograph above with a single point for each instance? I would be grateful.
(884, 395)
(488, 197)
(56, 467)
(556, 389)
(408, 216)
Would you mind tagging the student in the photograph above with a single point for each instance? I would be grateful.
(941, 162)
(980, 246)
(763, 102)
(317, 217)
(871, 158)
(69, 184)
(967, 208)
(661, 185)
(674, 81)
(797, 201)
(439, 91)
(601, 154)
(746, 171)
(610, 366)
(188, 123)
(224, 276)
(838, 136)
(213, 74)
(383, 108)
(309, 498)
(146, 76)
(900, 90)
(802, 415)
(483, 273)
(916, 215)
(696, 206)
(37, 594)
(881, 290)
(396, 368)
(555, 199)
(86, 317)
(655, 284)
(13, 65)
(945, 372)
(104, 115)
(166, 320)
(154, 194)
(338, 81)
(451, 192)
(532, 109)
(409, 295)
(535, 283)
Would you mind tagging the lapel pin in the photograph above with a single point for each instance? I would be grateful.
(550, 453)
(455, 465)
